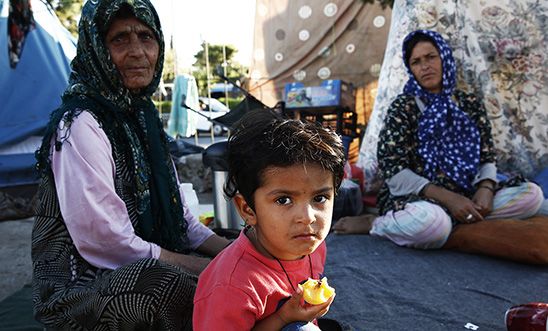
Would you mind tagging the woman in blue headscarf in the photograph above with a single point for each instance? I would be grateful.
(437, 157)
(113, 236)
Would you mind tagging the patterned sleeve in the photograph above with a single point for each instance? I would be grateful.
(474, 107)
(396, 137)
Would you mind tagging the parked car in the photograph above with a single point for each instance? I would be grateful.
(218, 109)
(219, 90)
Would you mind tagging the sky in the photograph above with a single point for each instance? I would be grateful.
(216, 21)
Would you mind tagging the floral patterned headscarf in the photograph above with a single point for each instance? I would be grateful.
(448, 139)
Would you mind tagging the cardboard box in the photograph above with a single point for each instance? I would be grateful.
(331, 93)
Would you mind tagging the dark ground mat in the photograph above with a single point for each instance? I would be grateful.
(16, 312)
(381, 286)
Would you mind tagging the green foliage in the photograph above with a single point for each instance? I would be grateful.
(383, 3)
(234, 70)
(215, 54)
(68, 12)
(163, 106)
(168, 74)
(232, 102)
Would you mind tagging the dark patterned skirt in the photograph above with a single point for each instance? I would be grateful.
(145, 295)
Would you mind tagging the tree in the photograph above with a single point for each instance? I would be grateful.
(234, 70)
(68, 12)
(168, 74)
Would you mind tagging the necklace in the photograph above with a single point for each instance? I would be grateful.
(287, 275)
(280, 262)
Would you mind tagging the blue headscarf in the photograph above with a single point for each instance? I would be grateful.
(448, 139)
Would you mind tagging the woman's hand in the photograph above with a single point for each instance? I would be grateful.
(196, 264)
(461, 208)
(190, 263)
(213, 245)
(483, 198)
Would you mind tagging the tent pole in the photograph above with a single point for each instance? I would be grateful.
(224, 73)
(209, 89)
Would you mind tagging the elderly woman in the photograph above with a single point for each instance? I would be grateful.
(437, 157)
(112, 237)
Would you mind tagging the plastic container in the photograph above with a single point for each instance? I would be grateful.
(527, 317)
(190, 194)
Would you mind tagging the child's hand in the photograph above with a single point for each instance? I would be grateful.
(295, 309)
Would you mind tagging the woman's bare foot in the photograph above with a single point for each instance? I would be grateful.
(360, 224)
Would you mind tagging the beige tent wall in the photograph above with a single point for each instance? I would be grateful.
(312, 40)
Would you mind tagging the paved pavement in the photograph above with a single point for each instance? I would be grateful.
(15, 255)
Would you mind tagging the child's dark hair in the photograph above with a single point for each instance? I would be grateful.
(263, 139)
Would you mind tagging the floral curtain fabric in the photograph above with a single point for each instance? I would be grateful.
(501, 49)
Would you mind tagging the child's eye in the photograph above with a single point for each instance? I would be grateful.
(283, 201)
(320, 198)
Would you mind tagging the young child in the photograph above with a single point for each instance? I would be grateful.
(283, 175)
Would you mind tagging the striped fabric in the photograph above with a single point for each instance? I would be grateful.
(425, 225)
(517, 202)
(420, 224)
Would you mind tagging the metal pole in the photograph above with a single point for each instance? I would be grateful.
(224, 73)
(174, 52)
(160, 97)
(209, 89)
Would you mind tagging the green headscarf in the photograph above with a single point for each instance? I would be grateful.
(130, 121)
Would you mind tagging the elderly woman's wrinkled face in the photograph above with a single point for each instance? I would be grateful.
(134, 51)
(425, 64)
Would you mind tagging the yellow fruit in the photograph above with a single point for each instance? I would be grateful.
(206, 218)
(316, 292)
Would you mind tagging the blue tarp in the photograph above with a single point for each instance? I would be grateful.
(17, 169)
(32, 90)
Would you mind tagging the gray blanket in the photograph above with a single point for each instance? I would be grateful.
(381, 286)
